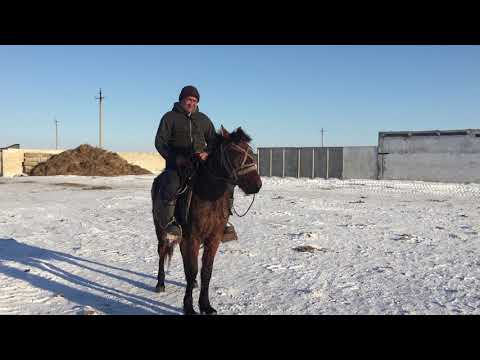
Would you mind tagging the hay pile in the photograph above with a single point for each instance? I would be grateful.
(87, 160)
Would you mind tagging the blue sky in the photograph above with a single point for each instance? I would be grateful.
(281, 95)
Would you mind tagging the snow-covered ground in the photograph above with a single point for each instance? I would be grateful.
(377, 247)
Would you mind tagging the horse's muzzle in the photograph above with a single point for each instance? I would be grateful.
(253, 188)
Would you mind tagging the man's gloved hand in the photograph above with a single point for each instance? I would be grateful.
(201, 155)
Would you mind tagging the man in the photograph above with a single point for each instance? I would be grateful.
(183, 132)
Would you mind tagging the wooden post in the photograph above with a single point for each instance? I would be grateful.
(283, 162)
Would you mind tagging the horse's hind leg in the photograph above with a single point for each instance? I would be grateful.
(189, 249)
(162, 252)
(209, 251)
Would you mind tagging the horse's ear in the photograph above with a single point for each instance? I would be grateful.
(224, 133)
(240, 135)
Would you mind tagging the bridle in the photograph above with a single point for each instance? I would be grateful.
(235, 172)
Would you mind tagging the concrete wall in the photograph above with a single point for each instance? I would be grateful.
(12, 160)
(152, 162)
(443, 167)
(360, 162)
(444, 157)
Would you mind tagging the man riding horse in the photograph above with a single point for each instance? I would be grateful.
(184, 134)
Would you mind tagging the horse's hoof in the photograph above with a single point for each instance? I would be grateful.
(208, 311)
(229, 237)
(189, 312)
(160, 288)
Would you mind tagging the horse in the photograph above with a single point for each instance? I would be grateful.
(231, 161)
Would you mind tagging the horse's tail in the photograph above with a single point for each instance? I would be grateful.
(170, 247)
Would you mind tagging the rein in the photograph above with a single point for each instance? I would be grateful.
(246, 212)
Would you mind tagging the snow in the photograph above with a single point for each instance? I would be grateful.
(373, 247)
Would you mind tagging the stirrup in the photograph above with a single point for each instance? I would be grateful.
(229, 233)
(229, 225)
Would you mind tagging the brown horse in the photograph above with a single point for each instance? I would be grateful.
(231, 161)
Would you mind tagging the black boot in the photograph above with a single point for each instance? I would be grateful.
(173, 232)
(229, 232)
(166, 217)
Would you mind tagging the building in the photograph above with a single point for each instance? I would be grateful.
(444, 156)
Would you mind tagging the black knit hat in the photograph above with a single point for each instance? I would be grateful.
(189, 91)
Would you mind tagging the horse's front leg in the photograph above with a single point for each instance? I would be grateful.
(209, 252)
(189, 249)
(162, 251)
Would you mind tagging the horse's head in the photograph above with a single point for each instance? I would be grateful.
(238, 160)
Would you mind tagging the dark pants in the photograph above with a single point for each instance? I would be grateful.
(170, 184)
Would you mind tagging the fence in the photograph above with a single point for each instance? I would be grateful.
(311, 162)
(351, 162)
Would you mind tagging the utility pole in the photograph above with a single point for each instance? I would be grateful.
(100, 135)
(56, 132)
(322, 136)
